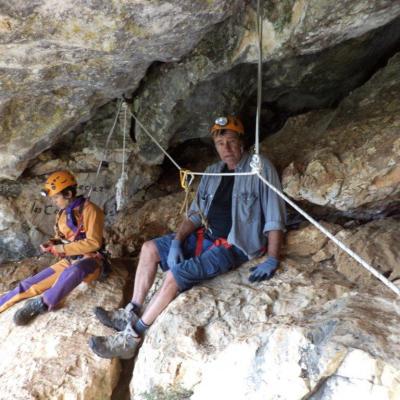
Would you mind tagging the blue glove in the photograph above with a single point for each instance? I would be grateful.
(175, 255)
(264, 270)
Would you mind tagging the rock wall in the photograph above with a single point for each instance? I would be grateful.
(323, 328)
(61, 62)
(346, 158)
(308, 62)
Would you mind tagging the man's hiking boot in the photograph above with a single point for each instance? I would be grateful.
(121, 345)
(29, 311)
(117, 319)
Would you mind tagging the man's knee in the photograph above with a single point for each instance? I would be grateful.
(149, 250)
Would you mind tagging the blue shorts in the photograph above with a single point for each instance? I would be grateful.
(195, 269)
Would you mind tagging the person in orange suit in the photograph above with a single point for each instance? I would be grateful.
(77, 242)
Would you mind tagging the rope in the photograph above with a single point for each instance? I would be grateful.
(223, 173)
(124, 139)
(259, 79)
(154, 140)
(350, 252)
(106, 147)
(119, 196)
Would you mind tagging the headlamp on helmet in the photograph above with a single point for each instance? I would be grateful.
(221, 121)
(230, 122)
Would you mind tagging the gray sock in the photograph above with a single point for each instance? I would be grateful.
(140, 327)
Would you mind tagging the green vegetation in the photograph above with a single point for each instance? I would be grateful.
(170, 393)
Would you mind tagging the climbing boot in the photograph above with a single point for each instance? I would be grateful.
(117, 319)
(29, 311)
(121, 345)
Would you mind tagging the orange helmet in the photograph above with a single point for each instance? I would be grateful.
(230, 122)
(57, 182)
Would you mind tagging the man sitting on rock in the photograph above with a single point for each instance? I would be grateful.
(79, 236)
(241, 212)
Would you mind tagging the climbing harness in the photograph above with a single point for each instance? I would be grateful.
(256, 170)
(79, 234)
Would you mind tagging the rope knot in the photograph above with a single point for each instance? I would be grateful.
(256, 164)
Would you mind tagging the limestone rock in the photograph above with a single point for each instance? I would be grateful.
(350, 155)
(60, 62)
(303, 44)
(308, 240)
(305, 333)
(50, 358)
(377, 243)
(14, 239)
(155, 218)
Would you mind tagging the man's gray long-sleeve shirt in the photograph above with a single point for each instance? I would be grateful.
(256, 209)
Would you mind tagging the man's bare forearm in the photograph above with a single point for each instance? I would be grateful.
(185, 229)
(275, 240)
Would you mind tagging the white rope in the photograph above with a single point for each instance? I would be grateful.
(105, 147)
(154, 140)
(223, 173)
(124, 139)
(259, 79)
(350, 252)
(120, 186)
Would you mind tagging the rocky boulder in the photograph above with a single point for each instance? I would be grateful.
(308, 332)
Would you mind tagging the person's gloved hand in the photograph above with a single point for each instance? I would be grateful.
(264, 270)
(175, 255)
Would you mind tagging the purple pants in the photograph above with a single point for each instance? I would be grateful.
(54, 283)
